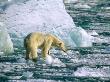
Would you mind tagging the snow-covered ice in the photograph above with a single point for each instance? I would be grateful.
(82, 5)
(49, 60)
(94, 72)
(70, 1)
(93, 33)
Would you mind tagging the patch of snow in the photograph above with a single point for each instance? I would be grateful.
(82, 5)
(86, 71)
(70, 1)
(9, 0)
(93, 33)
(108, 8)
(98, 39)
(63, 53)
(27, 74)
(49, 60)
(57, 62)
(21, 60)
(53, 61)
(1, 53)
(40, 80)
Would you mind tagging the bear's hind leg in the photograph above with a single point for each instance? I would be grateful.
(34, 54)
(27, 54)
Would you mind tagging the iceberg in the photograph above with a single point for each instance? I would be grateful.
(47, 16)
(81, 37)
(6, 44)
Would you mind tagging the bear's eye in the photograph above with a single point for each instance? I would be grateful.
(60, 44)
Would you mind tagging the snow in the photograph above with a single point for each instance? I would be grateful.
(82, 5)
(99, 40)
(44, 16)
(93, 33)
(6, 44)
(107, 8)
(27, 74)
(9, 0)
(53, 61)
(49, 60)
(94, 72)
(70, 1)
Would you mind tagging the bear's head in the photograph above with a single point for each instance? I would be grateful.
(61, 45)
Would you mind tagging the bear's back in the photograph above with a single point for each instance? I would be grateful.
(34, 39)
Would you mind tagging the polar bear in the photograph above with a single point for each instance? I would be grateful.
(36, 40)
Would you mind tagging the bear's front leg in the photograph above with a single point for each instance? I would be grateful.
(46, 48)
(45, 53)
